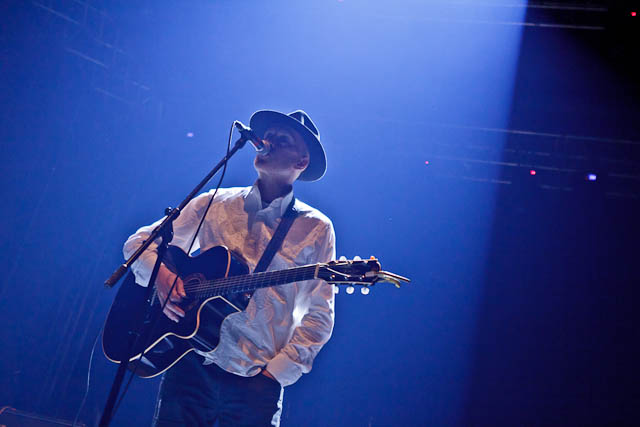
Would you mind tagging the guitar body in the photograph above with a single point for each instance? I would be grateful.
(162, 342)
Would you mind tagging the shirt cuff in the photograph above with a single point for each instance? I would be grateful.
(143, 267)
(284, 369)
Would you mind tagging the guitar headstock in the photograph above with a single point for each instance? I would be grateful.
(357, 272)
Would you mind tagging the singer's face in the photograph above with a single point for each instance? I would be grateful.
(288, 155)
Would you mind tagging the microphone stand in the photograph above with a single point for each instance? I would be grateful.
(165, 232)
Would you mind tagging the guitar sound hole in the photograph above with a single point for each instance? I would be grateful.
(193, 283)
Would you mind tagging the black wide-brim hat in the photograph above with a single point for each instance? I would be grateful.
(301, 122)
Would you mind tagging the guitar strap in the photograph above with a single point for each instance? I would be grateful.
(278, 237)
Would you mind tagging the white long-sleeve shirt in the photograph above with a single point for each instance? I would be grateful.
(283, 327)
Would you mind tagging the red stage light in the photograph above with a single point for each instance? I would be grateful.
(532, 172)
(633, 13)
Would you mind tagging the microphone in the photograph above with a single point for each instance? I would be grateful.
(248, 135)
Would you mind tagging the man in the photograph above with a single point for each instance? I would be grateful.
(274, 341)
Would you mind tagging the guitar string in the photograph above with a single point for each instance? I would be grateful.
(240, 289)
(237, 283)
(243, 288)
(248, 282)
(257, 277)
(234, 283)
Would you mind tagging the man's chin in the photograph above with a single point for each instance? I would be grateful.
(260, 162)
(264, 167)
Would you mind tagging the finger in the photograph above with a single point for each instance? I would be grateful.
(175, 297)
(180, 288)
(175, 309)
(170, 315)
(176, 284)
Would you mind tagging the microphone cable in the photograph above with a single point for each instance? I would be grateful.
(86, 392)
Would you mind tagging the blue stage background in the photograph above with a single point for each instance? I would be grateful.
(433, 114)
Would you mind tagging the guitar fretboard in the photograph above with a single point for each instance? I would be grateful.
(251, 282)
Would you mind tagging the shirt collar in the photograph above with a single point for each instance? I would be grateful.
(253, 202)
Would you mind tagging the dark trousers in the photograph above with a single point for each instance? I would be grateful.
(192, 394)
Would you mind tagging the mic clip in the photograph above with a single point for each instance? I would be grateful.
(248, 135)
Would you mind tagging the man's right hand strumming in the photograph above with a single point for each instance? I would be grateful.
(164, 281)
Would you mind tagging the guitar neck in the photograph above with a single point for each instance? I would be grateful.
(251, 282)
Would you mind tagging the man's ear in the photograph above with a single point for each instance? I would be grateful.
(302, 163)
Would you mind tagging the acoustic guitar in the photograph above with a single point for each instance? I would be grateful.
(217, 285)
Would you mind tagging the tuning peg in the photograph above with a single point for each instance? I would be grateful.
(350, 289)
(357, 258)
(364, 290)
(342, 258)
